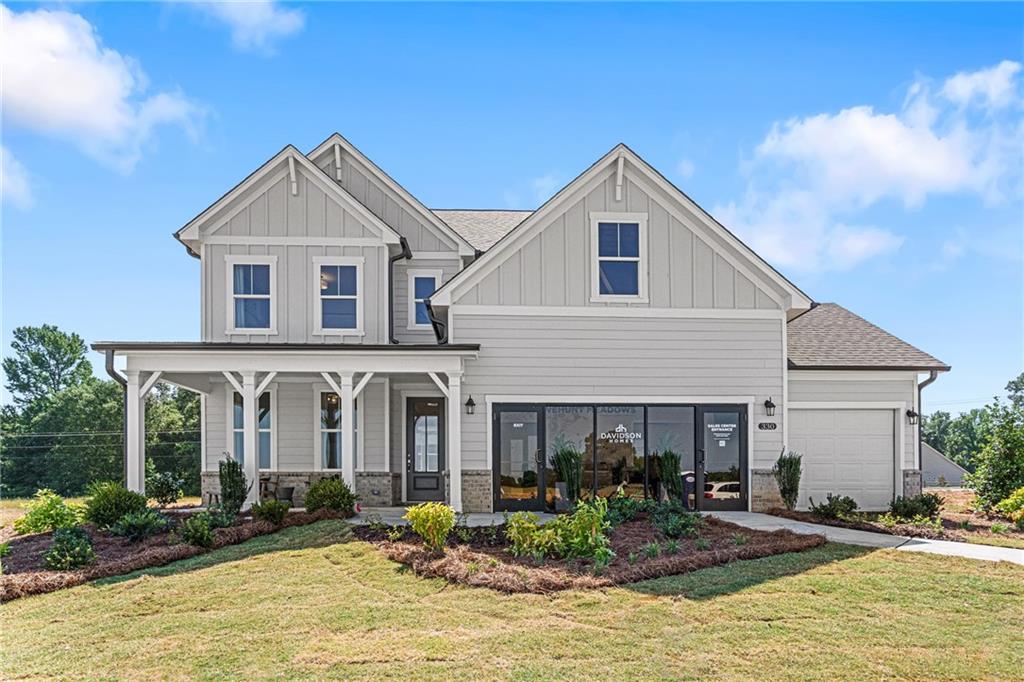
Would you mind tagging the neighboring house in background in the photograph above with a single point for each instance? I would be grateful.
(937, 469)
(445, 355)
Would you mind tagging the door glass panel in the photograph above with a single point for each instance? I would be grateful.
(426, 437)
(518, 451)
(670, 431)
(620, 450)
(721, 455)
(569, 433)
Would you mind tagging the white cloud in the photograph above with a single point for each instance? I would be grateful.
(810, 176)
(993, 87)
(545, 186)
(14, 182)
(685, 169)
(256, 25)
(60, 80)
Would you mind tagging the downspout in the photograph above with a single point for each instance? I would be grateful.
(116, 376)
(406, 254)
(439, 325)
(932, 376)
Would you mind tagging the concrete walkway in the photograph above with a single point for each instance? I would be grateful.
(864, 538)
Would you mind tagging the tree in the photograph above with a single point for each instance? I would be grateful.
(935, 429)
(45, 361)
(1015, 390)
(1000, 464)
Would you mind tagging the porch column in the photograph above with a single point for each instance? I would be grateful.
(454, 430)
(135, 436)
(250, 437)
(348, 430)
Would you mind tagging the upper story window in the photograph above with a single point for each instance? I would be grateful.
(618, 242)
(422, 284)
(339, 284)
(251, 285)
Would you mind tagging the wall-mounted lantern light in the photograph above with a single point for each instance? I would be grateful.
(769, 407)
(912, 417)
(470, 405)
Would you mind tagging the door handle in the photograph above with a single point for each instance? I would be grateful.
(537, 457)
(700, 459)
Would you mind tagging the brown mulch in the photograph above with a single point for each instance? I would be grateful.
(482, 563)
(25, 573)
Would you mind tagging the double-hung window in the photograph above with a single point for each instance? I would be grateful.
(251, 294)
(422, 284)
(338, 292)
(620, 260)
(331, 455)
(264, 429)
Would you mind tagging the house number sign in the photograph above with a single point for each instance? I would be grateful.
(767, 426)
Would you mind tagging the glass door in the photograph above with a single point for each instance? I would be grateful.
(425, 454)
(722, 458)
(519, 471)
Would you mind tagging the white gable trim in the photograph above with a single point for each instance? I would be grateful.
(429, 217)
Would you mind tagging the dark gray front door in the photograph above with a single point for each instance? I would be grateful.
(424, 449)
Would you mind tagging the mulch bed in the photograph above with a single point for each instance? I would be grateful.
(25, 573)
(484, 561)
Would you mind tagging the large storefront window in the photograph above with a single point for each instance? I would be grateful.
(569, 431)
(670, 432)
(620, 450)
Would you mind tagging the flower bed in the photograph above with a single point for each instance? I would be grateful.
(25, 573)
(480, 556)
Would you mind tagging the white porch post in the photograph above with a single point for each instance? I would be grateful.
(455, 439)
(250, 438)
(348, 430)
(135, 437)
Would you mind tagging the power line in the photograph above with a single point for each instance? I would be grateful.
(89, 433)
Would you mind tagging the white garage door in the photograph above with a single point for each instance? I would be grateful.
(846, 452)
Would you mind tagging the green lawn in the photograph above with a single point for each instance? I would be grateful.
(306, 603)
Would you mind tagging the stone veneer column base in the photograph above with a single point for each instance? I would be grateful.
(912, 483)
(764, 491)
(378, 488)
(299, 480)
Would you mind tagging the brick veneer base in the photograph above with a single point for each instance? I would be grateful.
(764, 491)
(911, 482)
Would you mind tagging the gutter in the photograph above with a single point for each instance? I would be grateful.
(440, 326)
(405, 254)
(116, 376)
(932, 376)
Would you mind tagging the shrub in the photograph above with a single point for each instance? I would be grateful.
(5, 549)
(999, 528)
(331, 493)
(703, 544)
(739, 539)
(672, 546)
(584, 533)
(675, 521)
(195, 530)
(233, 486)
(219, 518)
(109, 501)
(787, 476)
(670, 474)
(71, 549)
(568, 463)
(999, 466)
(271, 511)
(432, 521)
(138, 526)
(926, 505)
(652, 550)
(834, 507)
(1012, 507)
(164, 487)
(519, 530)
(47, 511)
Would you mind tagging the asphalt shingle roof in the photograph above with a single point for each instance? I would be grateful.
(481, 228)
(829, 336)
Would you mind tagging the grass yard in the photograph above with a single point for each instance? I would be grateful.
(307, 602)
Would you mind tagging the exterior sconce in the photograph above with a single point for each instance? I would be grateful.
(470, 405)
(769, 407)
(912, 417)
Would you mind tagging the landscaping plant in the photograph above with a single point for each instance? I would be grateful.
(195, 530)
(71, 549)
(674, 520)
(47, 511)
(925, 505)
(432, 521)
(787, 475)
(652, 550)
(333, 494)
(271, 511)
(568, 461)
(233, 486)
(671, 476)
(164, 488)
(109, 501)
(5, 549)
(834, 506)
(218, 518)
(1012, 507)
(999, 466)
(138, 526)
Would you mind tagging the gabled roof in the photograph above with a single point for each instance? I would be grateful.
(465, 248)
(503, 248)
(482, 227)
(189, 235)
(929, 451)
(828, 336)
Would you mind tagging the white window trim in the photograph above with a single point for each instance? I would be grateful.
(318, 314)
(229, 421)
(318, 459)
(595, 281)
(411, 295)
(231, 261)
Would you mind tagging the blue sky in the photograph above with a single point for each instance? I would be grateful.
(871, 152)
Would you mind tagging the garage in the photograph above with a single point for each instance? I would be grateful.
(846, 452)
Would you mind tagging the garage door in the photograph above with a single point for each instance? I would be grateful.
(846, 452)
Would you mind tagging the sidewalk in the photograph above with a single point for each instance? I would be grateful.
(864, 538)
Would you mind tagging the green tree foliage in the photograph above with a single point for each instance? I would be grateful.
(959, 438)
(1015, 390)
(1000, 464)
(44, 362)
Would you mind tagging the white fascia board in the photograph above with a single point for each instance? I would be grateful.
(313, 361)
(325, 147)
(805, 374)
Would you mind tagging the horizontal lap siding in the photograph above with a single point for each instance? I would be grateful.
(296, 424)
(623, 357)
(448, 269)
(371, 402)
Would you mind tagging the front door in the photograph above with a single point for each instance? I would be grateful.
(424, 448)
(722, 458)
(519, 470)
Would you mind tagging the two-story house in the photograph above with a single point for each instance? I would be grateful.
(425, 354)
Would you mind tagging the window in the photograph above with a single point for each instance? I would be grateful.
(330, 430)
(264, 433)
(250, 292)
(620, 262)
(338, 291)
(422, 284)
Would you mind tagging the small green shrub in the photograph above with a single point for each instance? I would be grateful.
(395, 533)
(195, 530)
(271, 511)
(47, 511)
(674, 521)
(164, 488)
(519, 530)
(432, 521)
(632, 558)
(109, 501)
(71, 549)
(739, 539)
(703, 544)
(138, 526)
(218, 517)
(672, 546)
(999, 528)
(333, 494)
(622, 508)
(652, 550)
(786, 471)
(834, 507)
(1013, 507)
(925, 504)
(582, 534)
(5, 549)
(463, 532)
(233, 486)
